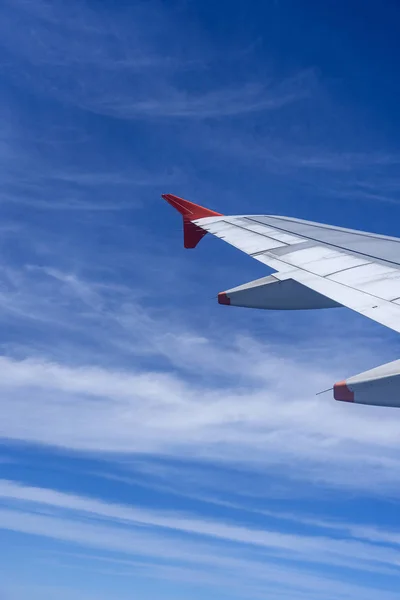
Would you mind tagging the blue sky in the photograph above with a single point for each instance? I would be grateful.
(153, 443)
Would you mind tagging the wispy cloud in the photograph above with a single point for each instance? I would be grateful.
(55, 179)
(106, 68)
(317, 546)
(285, 155)
(95, 524)
(331, 172)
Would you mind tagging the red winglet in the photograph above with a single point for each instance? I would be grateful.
(190, 211)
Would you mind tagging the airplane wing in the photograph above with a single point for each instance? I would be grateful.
(317, 266)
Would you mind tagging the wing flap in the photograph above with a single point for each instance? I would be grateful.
(270, 293)
(383, 312)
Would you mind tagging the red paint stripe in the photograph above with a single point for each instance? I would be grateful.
(342, 393)
(223, 299)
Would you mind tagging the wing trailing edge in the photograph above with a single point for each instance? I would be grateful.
(192, 234)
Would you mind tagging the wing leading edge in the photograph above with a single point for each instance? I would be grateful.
(341, 267)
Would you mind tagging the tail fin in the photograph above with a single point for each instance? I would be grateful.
(190, 211)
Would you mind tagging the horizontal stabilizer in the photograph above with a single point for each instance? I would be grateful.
(273, 294)
(190, 211)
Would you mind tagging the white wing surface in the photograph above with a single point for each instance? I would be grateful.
(358, 270)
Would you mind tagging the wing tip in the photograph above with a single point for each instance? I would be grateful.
(189, 210)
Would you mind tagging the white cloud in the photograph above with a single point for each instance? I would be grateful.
(266, 422)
